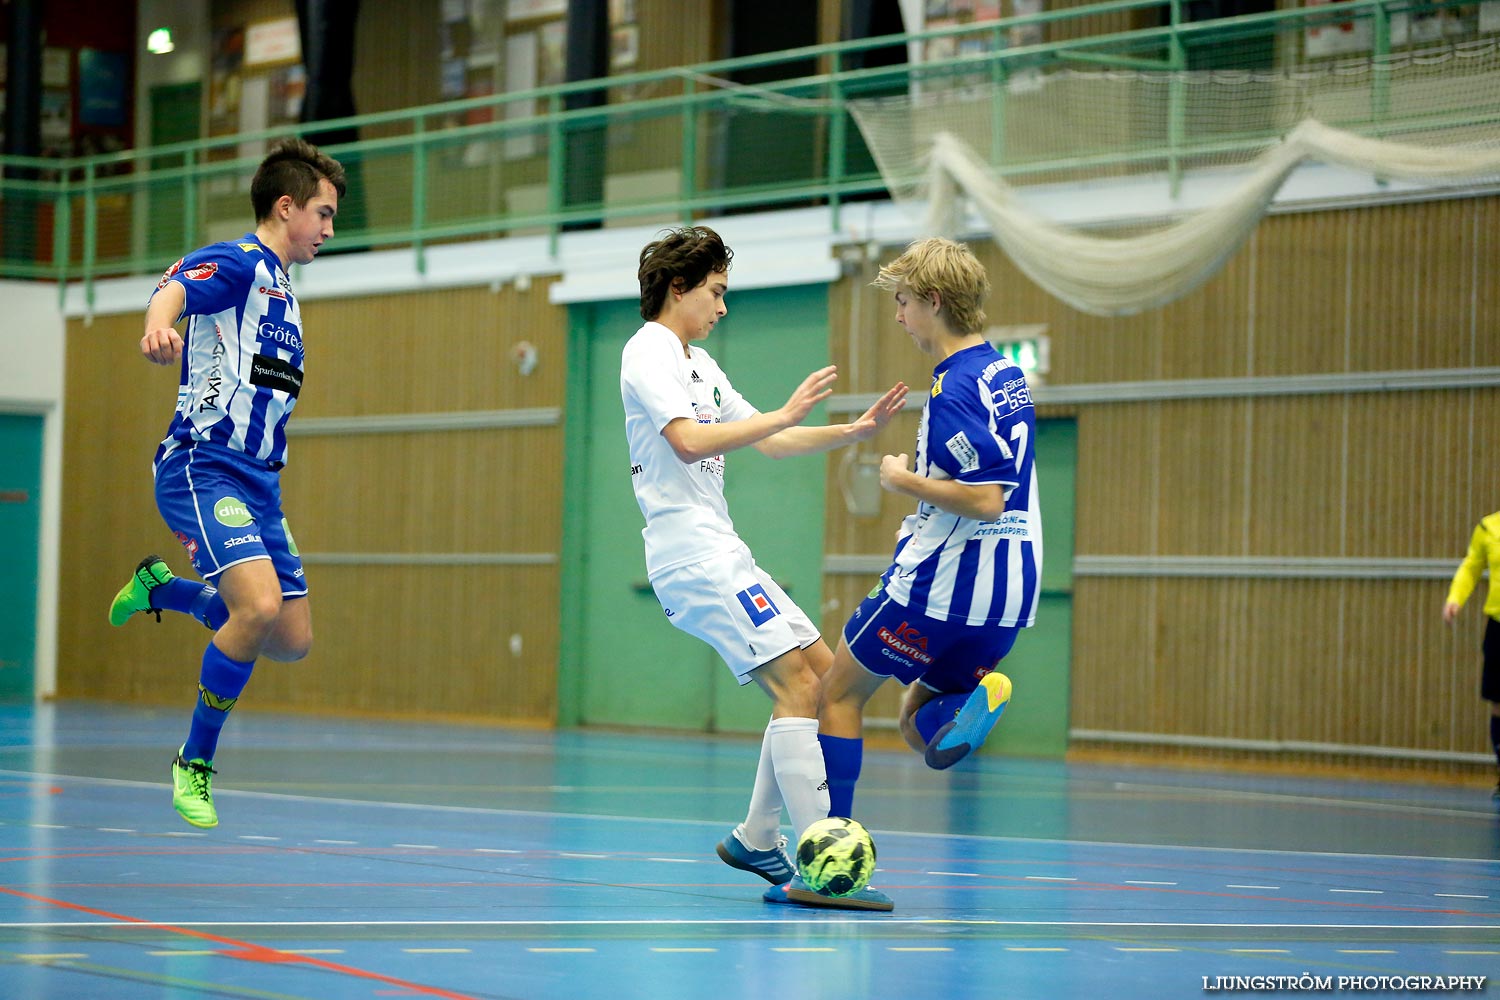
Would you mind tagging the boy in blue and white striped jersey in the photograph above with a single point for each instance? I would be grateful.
(217, 471)
(966, 574)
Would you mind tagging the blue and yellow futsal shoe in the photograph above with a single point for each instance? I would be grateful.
(193, 791)
(772, 864)
(136, 595)
(799, 892)
(961, 737)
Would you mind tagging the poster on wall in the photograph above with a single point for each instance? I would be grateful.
(531, 10)
(101, 88)
(521, 70)
(1337, 38)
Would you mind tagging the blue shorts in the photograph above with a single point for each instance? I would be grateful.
(225, 509)
(950, 658)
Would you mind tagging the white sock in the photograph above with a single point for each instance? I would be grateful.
(763, 822)
(797, 758)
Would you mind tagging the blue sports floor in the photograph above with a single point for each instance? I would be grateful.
(377, 860)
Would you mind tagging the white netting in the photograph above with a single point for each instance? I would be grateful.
(1432, 118)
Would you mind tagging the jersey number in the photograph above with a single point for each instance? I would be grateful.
(1018, 453)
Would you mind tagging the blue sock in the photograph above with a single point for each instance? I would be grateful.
(842, 758)
(937, 713)
(219, 685)
(196, 599)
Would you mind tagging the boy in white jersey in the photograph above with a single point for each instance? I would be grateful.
(681, 416)
(217, 471)
(966, 575)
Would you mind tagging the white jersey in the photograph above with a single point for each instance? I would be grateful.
(687, 520)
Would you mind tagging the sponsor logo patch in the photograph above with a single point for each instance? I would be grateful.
(189, 543)
(276, 374)
(757, 605)
(201, 272)
(907, 642)
(937, 383)
(232, 512)
(962, 449)
(249, 247)
(230, 543)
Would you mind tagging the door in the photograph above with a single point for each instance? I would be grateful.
(175, 110)
(20, 525)
(1036, 723)
(622, 663)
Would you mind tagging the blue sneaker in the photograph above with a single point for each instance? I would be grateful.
(797, 891)
(966, 733)
(772, 864)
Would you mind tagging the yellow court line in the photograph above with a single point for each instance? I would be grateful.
(51, 958)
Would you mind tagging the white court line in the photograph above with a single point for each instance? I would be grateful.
(958, 874)
(731, 921)
(1230, 793)
(323, 801)
(1367, 892)
(347, 843)
(1459, 895)
(676, 861)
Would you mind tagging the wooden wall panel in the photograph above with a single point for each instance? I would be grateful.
(1394, 474)
(398, 640)
(1356, 662)
(418, 639)
(1296, 475)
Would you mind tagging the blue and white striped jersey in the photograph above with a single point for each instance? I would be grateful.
(242, 355)
(978, 427)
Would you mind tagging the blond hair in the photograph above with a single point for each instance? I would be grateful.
(941, 267)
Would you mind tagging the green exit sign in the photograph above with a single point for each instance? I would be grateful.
(1026, 345)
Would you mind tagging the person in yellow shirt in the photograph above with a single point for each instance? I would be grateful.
(1484, 553)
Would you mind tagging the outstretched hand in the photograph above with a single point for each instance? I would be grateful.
(880, 413)
(814, 389)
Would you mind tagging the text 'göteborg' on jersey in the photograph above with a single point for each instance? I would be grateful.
(242, 356)
(978, 427)
(687, 520)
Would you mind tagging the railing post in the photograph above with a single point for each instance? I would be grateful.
(189, 201)
(1380, 105)
(838, 141)
(62, 238)
(90, 237)
(998, 77)
(1176, 110)
(688, 186)
(419, 192)
(556, 172)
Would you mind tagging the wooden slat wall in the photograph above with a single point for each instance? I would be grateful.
(1400, 475)
(389, 639)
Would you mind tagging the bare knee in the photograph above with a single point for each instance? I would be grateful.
(257, 613)
(793, 686)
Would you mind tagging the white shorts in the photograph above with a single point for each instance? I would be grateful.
(733, 605)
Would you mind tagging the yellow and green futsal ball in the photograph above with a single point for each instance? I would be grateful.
(836, 856)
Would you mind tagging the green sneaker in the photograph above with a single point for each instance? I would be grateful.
(136, 595)
(193, 792)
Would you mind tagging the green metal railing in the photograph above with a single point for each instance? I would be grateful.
(669, 147)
